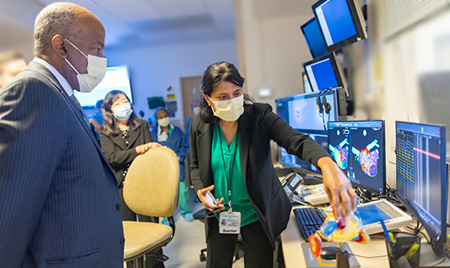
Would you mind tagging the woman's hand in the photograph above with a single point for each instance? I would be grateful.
(338, 188)
(202, 197)
(141, 149)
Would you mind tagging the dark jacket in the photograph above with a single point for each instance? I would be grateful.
(116, 151)
(58, 195)
(256, 127)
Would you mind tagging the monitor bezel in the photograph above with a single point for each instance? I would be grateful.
(305, 36)
(338, 73)
(358, 22)
(436, 243)
(383, 136)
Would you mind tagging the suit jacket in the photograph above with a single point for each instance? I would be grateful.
(117, 153)
(256, 127)
(58, 196)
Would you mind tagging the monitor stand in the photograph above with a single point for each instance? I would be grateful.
(366, 195)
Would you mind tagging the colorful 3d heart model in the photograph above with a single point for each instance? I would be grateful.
(332, 230)
(340, 153)
(367, 159)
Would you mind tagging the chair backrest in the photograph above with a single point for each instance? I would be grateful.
(152, 182)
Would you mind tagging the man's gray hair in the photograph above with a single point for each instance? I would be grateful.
(57, 18)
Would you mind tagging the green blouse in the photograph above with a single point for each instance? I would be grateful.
(221, 160)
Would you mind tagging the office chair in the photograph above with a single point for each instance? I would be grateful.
(151, 189)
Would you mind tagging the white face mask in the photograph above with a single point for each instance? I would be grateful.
(164, 122)
(229, 110)
(96, 70)
(122, 112)
(196, 110)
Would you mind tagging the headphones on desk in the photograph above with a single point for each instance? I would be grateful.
(323, 106)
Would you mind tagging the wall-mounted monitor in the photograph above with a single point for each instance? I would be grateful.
(325, 72)
(340, 21)
(422, 177)
(116, 78)
(358, 147)
(302, 114)
(313, 38)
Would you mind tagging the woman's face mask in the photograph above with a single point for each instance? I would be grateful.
(229, 110)
(164, 122)
(122, 112)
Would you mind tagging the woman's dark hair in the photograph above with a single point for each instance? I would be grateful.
(214, 75)
(110, 123)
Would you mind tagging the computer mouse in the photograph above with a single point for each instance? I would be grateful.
(329, 252)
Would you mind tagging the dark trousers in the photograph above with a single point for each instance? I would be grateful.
(258, 251)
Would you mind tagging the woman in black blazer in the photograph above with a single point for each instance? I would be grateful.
(230, 152)
(123, 136)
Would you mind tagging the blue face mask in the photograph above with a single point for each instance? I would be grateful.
(122, 112)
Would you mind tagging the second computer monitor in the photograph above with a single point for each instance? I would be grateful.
(358, 147)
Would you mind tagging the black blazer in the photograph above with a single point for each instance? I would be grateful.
(58, 196)
(115, 150)
(256, 127)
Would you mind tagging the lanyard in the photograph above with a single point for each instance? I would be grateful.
(231, 169)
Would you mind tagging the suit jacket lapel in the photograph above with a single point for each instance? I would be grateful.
(133, 135)
(39, 68)
(244, 141)
(204, 140)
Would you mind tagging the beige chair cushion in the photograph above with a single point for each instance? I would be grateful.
(152, 181)
(142, 236)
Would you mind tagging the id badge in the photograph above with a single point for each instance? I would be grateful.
(230, 223)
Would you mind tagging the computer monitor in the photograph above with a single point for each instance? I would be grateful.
(325, 72)
(301, 113)
(358, 147)
(313, 38)
(422, 177)
(340, 21)
(116, 78)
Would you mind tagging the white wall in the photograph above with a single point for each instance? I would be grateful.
(154, 68)
(271, 51)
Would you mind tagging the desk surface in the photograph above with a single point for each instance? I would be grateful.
(293, 254)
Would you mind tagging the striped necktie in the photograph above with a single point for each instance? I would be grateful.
(78, 106)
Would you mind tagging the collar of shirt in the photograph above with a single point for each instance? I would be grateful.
(63, 81)
(163, 136)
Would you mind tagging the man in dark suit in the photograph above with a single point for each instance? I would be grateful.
(58, 196)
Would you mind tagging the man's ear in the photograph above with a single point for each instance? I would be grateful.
(59, 46)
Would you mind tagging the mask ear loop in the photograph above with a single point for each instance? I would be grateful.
(75, 47)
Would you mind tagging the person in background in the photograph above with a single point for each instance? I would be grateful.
(124, 136)
(231, 158)
(11, 64)
(173, 137)
(58, 195)
(195, 106)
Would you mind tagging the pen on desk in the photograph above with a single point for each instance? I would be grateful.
(388, 237)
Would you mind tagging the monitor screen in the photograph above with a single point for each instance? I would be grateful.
(313, 38)
(358, 147)
(302, 114)
(116, 78)
(422, 176)
(340, 21)
(324, 72)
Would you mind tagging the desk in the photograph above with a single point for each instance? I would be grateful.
(293, 255)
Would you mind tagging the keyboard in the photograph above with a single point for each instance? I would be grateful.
(309, 220)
